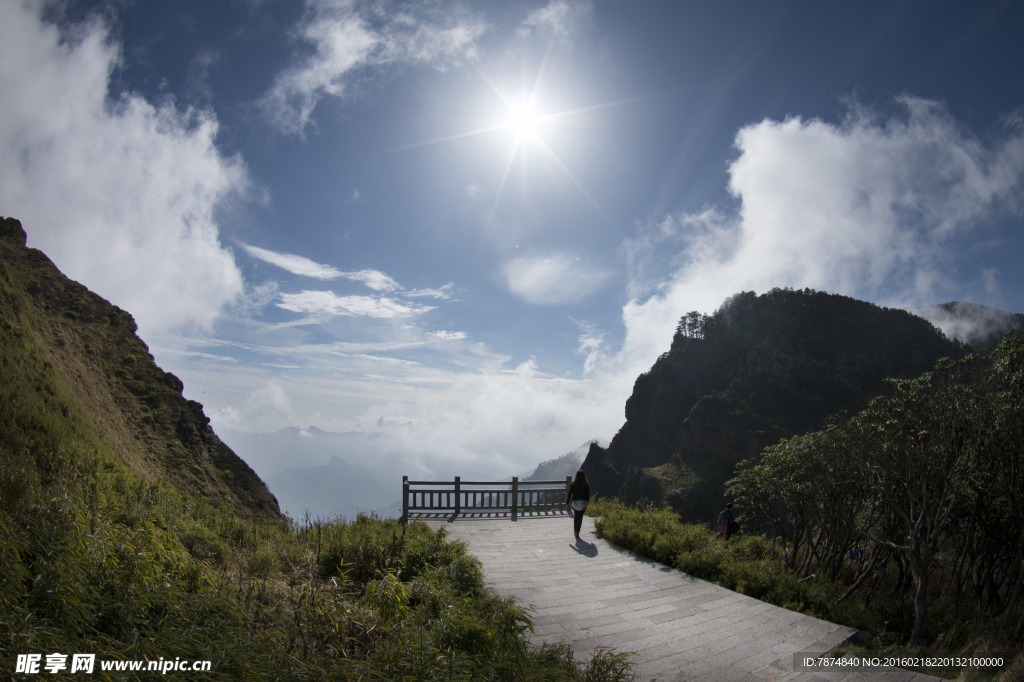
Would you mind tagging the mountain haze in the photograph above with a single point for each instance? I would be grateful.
(977, 325)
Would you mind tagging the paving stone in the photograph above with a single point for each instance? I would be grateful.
(592, 594)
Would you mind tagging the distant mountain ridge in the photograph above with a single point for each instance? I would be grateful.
(81, 356)
(558, 468)
(759, 369)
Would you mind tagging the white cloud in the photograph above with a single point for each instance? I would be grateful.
(444, 292)
(297, 265)
(447, 335)
(499, 422)
(591, 345)
(121, 196)
(349, 37)
(417, 39)
(559, 18)
(872, 207)
(373, 279)
(300, 265)
(329, 304)
(266, 405)
(552, 280)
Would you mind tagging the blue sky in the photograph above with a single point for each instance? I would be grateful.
(467, 227)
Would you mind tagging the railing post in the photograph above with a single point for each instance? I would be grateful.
(515, 496)
(405, 500)
(458, 495)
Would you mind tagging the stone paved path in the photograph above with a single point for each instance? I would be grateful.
(592, 594)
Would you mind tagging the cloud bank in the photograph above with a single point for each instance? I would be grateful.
(874, 207)
(120, 194)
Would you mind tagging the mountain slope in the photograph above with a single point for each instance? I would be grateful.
(80, 357)
(760, 369)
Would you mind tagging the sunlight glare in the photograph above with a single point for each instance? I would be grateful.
(524, 121)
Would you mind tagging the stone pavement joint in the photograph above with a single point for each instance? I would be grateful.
(592, 594)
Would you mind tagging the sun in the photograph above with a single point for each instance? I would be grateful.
(523, 121)
(529, 128)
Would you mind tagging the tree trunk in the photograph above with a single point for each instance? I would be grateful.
(1013, 600)
(920, 573)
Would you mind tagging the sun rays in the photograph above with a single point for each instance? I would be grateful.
(529, 128)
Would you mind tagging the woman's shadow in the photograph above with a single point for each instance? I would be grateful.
(585, 548)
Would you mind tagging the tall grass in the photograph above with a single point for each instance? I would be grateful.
(95, 560)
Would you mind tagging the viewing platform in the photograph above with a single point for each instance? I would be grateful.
(481, 499)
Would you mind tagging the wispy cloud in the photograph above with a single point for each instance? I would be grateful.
(373, 279)
(122, 195)
(350, 37)
(447, 335)
(300, 265)
(329, 304)
(297, 265)
(552, 280)
(444, 292)
(557, 19)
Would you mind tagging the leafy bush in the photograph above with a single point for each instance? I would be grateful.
(755, 565)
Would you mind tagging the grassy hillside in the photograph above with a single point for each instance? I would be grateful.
(128, 531)
(71, 354)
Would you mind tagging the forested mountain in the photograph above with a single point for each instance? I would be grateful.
(760, 369)
(558, 468)
(71, 356)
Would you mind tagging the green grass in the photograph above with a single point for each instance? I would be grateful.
(746, 563)
(94, 559)
(753, 565)
(117, 537)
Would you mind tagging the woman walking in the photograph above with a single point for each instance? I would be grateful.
(578, 498)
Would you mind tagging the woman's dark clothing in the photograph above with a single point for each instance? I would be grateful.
(583, 495)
